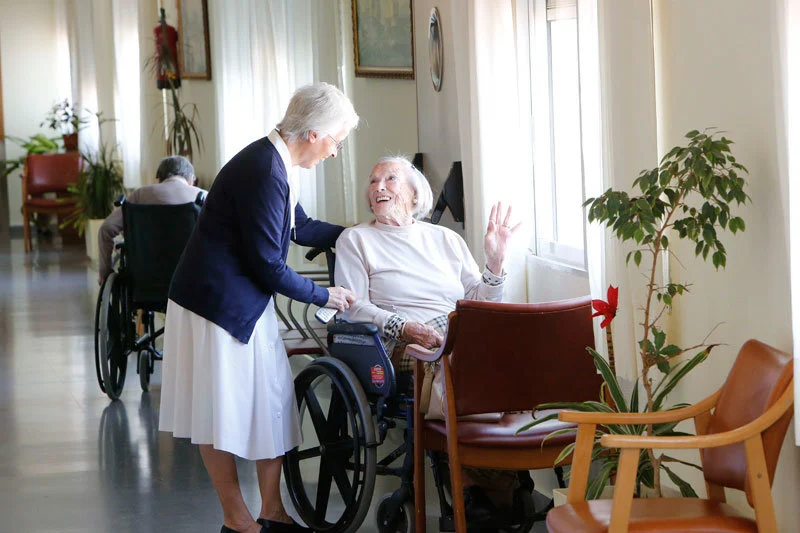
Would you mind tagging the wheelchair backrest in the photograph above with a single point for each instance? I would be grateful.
(155, 236)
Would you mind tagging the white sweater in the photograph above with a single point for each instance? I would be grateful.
(417, 271)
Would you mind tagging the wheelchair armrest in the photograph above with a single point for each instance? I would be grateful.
(356, 328)
(423, 354)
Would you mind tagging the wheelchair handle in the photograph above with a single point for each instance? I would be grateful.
(314, 252)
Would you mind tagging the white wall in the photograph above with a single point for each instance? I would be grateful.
(388, 111)
(28, 47)
(718, 62)
(437, 111)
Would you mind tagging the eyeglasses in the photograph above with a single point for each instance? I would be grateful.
(338, 144)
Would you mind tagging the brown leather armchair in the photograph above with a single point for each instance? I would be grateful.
(503, 358)
(740, 431)
(48, 173)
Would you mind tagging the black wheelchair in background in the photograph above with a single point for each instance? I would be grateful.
(155, 236)
(349, 400)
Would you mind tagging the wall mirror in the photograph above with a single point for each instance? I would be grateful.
(435, 53)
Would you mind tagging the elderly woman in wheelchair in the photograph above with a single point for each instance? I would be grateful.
(407, 275)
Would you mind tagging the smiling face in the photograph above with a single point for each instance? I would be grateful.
(391, 195)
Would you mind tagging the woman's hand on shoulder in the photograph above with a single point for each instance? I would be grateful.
(498, 233)
(424, 335)
(340, 298)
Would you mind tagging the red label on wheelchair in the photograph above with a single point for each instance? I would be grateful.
(378, 375)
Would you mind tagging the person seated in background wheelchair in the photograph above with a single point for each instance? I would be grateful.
(176, 185)
(408, 275)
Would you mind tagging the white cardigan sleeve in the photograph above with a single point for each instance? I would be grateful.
(352, 272)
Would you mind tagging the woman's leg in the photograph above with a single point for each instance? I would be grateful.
(221, 467)
(269, 484)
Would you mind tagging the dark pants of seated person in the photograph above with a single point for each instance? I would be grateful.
(499, 485)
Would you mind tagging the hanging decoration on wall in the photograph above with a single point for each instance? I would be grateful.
(166, 64)
(435, 49)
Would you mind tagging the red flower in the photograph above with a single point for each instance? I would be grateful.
(607, 309)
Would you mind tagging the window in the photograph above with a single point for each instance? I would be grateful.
(556, 125)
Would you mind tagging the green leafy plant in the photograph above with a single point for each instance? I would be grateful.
(688, 196)
(99, 184)
(64, 117)
(35, 144)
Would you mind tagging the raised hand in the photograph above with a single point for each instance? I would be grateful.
(498, 232)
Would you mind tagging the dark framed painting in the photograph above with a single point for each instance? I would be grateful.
(383, 38)
(194, 53)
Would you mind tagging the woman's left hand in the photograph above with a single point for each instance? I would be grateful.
(498, 232)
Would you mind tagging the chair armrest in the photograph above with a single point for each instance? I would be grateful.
(353, 328)
(423, 354)
(714, 440)
(660, 417)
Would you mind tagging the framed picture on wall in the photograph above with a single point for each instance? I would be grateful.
(383, 38)
(194, 54)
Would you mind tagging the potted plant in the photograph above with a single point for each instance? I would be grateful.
(99, 184)
(67, 119)
(35, 144)
(688, 196)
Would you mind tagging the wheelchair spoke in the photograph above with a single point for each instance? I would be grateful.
(315, 410)
(309, 453)
(323, 488)
(342, 482)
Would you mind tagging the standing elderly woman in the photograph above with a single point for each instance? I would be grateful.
(227, 384)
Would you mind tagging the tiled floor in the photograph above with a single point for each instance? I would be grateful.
(70, 459)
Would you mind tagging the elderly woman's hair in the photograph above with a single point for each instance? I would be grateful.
(321, 108)
(422, 189)
(175, 165)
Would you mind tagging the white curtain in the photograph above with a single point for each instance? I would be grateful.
(625, 117)
(103, 44)
(127, 108)
(266, 53)
(788, 116)
(494, 127)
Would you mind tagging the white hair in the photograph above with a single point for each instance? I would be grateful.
(423, 201)
(321, 108)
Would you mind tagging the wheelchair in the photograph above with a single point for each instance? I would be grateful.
(155, 236)
(352, 398)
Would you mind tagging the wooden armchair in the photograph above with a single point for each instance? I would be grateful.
(740, 429)
(48, 173)
(503, 358)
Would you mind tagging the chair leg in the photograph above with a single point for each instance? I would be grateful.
(26, 229)
(419, 476)
(456, 489)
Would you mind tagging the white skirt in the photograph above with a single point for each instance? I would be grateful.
(216, 390)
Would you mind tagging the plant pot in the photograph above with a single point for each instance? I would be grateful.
(90, 234)
(560, 495)
(70, 142)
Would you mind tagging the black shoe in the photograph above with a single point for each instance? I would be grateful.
(271, 526)
(226, 529)
(477, 505)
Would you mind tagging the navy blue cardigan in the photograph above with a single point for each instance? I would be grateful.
(235, 259)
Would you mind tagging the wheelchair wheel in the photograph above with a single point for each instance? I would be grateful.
(401, 522)
(97, 331)
(145, 367)
(331, 476)
(113, 333)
